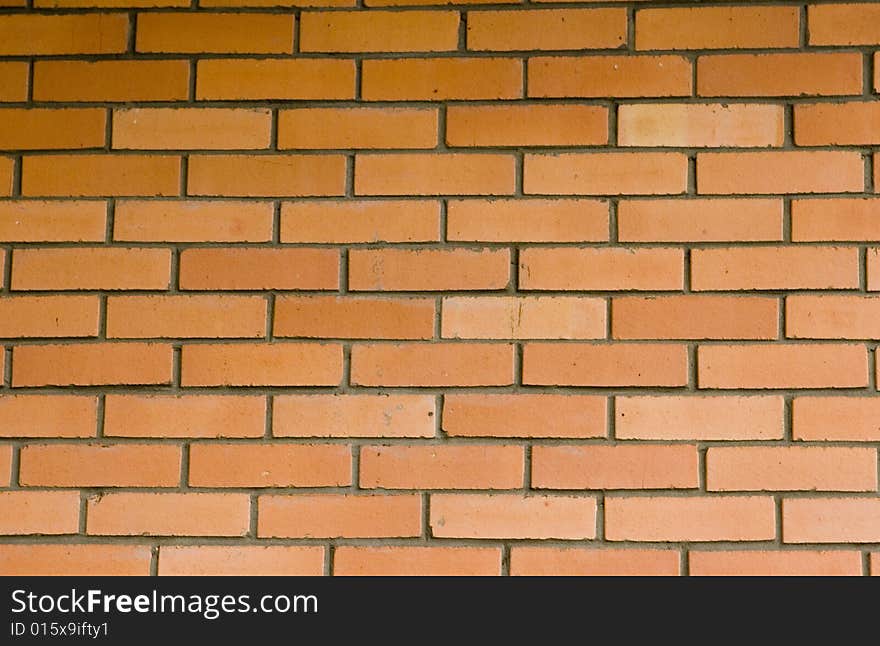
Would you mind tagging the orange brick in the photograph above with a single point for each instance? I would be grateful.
(873, 258)
(282, 79)
(192, 221)
(601, 269)
(837, 124)
(434, 174)
(782, 366)
(699, 220)
(48, 416)
(428, 269)
(789, 468)
(609, 76)
(79, 4)
(108, 268)
(240, 560)
(5, 465)
(168, 514)
(178, 316)
(718, 28)
(353, 416)
(13, 81)
(782, 267)
(521, 415)
(845, 219)
(259, 268)
(339, 516)
(360, 221)
(201, 416)
(84, 33)
(328, 128)
(615, 467)
(442, 79)
(266, 175)
(394, 3)
(428, 364)
(694, 317)
(7, 170)
(190, 128)
(111, 80)
(416, 561)
(441, 467)
(619, 364)
(92, 364)
(233, 33)
(100, 175)
(834, 419)
(75, 560)
(52, 221)
(93, 465)
(378, 31)
(844, 24)
(527, 220)
(832, 317)
(546, 29)
(526, 125)
(690, 519)
(39, 128)
(523, 317)
(353, 317)
(791, 74)
(694, 125)
(775, 563)
(698, 418)
(605, 174)
(512, 516)
(262, 364)
(269, 465)
(278, 3)
(39, 512)
(556, 561)
(49, 316)
(831, 520)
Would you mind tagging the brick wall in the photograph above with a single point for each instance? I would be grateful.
(315, 287)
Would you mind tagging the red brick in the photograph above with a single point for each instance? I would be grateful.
(92, 364)
(718, 28)
(191, 128)
(353, 416)
(197, 416)
(360, 221)
(111, 80)
(266, 175)
(434, 174)
(40, 34)
(847, 219)
(178, 316)
(556, 561)
(262, 364)
(49, 316)
(844, 24)
(831, 520)
(546, 29)
(605, 174)
(848, 419)
(276, 78)
(712, 125)
(192, 221)
(428, 269)
(609, 76)
(416, 561)
(526, 125)
(378, 31)
(75, 560)
(91, 268)
(5, 465)
(523, 317)
(527, 220)
(53, 416)
(241, 560)
(873, 258)
(828, 124)
(43, 129)
(39, 512)
(832, 317)
(100, 175)
(221, 33)
(259, 268)
(429, 364)
(353, 317)
(775, 563)
(442, 79)
(329, 128)
(93, 465)
(52, 221)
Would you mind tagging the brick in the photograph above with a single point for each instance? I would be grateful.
(442, 79)
(79, 268)
(378, 31)
(512, 516)
(48, 35)
(269, 465)
(848, 419)
(526, 125)
(196, 416)
(775, 563)
(41, 128)
(92, 364)
(873, 259)
(52, 221)
(191, 128)
(54, 416)
(197, 33)
(259, 268)
(277, 3)
(262, 364)
(844, 24)
(604, 365)
(831, 520)
(353, 416)
(353, 317)
(13, 81)
(266, 175)
(696, 519)
(524, 415)
(111, 80)
(791, 74)
(847, 219)
(698, 418)
(837, 124)
(605, 174)
(781, 267)
(360, 221)
(441, 467)
(281, 79)
(394, 3)
(49, 316)
(523, 317)
(93, 465)
(832, 317)
(75, 560)
(782, 366)
(416, 561)
(339, 516)
(556, 561)
(100, 175)
(353, 128)
(694, 317)
(429, 364)
(527, 220)
(601, 269)
(713, 125)
(428, 269)
(718, 28)
(5, 465)
(39, 512)
(609, 76)
(434, 174)
(79, 4)
(241, 560)
(615, 467)
(546, 29)
(192, 221)
(168, 514)
(700, 220)
(780, 172)
(7, 171)
(179, 316)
